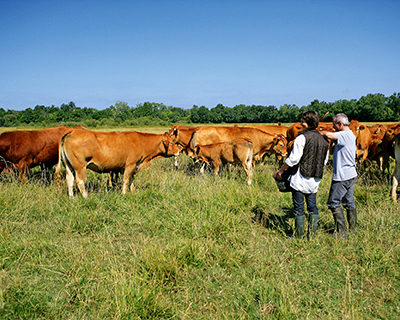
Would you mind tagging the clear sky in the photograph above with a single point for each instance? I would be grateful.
(196, 52)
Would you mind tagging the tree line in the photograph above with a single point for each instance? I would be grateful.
(369, 108)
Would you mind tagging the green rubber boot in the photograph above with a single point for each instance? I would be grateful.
(299, 227)
(352, 219)
(340, 223)
(312, 225)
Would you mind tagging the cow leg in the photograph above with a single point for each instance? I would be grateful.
(80, 177)
(176, 164)
(249, 171)
(396, 178)
(216, 164)
(57, 173)
(23, 173)
(110, 183)
(125, 181)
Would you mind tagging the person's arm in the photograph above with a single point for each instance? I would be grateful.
(329, 135)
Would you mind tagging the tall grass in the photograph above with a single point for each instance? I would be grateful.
(191, 246)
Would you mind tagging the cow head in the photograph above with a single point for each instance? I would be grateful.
(171, 149)
(280, 145)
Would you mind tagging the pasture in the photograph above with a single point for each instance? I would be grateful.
(192, 246)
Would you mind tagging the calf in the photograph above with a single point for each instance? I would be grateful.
(237, 151)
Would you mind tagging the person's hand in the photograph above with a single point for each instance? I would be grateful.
(277, 175)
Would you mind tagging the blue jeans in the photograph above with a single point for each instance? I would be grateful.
(298, 203)
(342, 192)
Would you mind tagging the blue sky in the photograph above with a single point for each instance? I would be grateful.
(185, 53)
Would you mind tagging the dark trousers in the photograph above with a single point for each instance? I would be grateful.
(298, 203)
(342, 192)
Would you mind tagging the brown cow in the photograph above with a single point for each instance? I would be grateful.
(263, 143)
(24, 150)
(363, 139)
(375, 150)
(294, 129)
(128, 152)
(237, 151)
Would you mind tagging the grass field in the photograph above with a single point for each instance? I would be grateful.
(186, 246)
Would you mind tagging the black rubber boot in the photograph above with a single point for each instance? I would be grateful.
(352, 219)
(299, 227)
(312, 225)
(340, 222)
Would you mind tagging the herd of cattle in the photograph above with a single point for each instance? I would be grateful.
(79, 148)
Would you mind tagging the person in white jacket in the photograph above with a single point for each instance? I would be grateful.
(309, 156)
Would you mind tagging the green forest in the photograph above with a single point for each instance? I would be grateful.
(369, 108)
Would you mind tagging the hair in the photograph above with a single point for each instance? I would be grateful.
(343, 119)
(311, 118)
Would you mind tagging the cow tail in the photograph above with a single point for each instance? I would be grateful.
(62, 158)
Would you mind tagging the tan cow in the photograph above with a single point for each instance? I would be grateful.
(280, 129)
(263, 143)
(181, 136)
(237, 151)
(128, 152)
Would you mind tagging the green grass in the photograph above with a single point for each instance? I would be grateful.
(185, 246)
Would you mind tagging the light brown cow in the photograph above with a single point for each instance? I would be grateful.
(23, 150)
(363, 139)
(263, 143)
(237, 151)
(279, 129)
(128, 152)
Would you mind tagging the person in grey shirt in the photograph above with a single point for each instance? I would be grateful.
(344, 175)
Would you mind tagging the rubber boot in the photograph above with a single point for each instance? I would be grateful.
(352, 219)
(340, 222)
(312, 225)
(299, 227)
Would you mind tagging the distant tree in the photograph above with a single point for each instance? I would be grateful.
(26, 116)
(373, 107)
(203, 114)
(394, 104)
(288, 113)
(122, 111)
(143, 110)
(217, 114)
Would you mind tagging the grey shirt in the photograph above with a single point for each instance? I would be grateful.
(344, 155)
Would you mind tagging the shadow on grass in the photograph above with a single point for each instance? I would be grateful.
(283, 224)
(274, 221)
